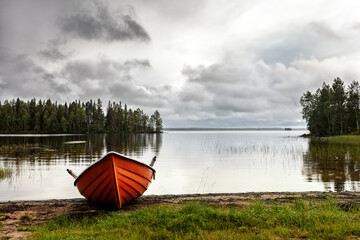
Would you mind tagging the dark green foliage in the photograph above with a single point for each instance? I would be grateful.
(332, 110)
(353, 105)
(17, 116)
(158, 121)
(120, 119)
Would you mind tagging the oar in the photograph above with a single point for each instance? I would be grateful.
(71, 173)
(152, 162)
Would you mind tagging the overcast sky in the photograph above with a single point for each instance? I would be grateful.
(200, 63)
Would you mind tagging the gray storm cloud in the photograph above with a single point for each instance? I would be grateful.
(243, 88)
(53, 54)
(101, 24)
(78, 79)
(22, 77)
(113, 80)
(243, 66)
(93, 22)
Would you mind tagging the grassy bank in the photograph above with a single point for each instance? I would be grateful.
(323, 219)
(345, 139)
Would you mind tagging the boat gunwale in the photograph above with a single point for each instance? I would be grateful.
(110, 153)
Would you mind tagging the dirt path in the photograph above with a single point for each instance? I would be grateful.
(16, 217)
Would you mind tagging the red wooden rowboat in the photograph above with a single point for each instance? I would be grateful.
(114, 180)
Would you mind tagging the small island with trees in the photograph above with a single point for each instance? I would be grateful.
(332, 110)
(17, 116)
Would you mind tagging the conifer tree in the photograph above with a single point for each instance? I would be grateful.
(76, 117)
(332, 110)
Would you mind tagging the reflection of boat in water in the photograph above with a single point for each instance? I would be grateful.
(114, 180)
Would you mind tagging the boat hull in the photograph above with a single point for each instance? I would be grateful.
(114, 180)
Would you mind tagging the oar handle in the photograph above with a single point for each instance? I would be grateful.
(153, 162)
(71, 173)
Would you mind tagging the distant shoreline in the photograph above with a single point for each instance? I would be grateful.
(233, 129)
(164, 130)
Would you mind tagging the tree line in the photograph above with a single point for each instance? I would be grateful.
(17, 116)
(332, 109)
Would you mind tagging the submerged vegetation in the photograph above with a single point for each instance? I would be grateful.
(303, 219)
(332, 110)
(5, 172)
(17, 116)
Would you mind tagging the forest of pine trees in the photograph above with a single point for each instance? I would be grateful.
(332, 110)
(17, 116)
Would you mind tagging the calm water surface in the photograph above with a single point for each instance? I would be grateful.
(188, 162)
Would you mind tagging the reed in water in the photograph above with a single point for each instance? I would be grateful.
(5, 172)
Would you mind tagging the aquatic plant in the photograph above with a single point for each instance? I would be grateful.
(5, 172)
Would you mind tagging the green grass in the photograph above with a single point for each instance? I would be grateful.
(25, 217)
(345, 139)
(302, 219)
(26, 228)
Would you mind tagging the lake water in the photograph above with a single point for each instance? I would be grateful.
(187, 162)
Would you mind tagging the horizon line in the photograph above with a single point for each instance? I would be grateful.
(234, 128)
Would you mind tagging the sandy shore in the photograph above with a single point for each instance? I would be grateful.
(42, 211)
